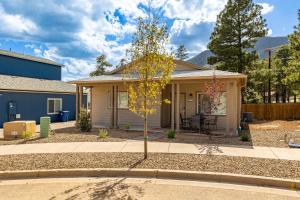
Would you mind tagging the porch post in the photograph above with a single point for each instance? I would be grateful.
(80, 97)
(172, 107)
(91, 104)
(77, 103)
(112, 106)
(177, 107)
(116, 106)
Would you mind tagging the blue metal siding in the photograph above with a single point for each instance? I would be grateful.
(32, 106)
(26, 68)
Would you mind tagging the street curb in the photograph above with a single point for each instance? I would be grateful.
(154, 173)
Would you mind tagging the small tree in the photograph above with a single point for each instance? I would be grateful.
(181, 53)
(212, 89)
(101, 64)
(149, 71)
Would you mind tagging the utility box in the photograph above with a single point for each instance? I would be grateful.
(45, 126)
(15, 129)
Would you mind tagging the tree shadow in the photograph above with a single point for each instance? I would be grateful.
(104, 189)
(209, 149)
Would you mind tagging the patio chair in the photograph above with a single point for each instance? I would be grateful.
(198, 122)
(185, 123)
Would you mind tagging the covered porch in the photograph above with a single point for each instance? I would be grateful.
(188, 100)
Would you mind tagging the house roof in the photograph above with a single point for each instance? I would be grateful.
(32, 84)
(179, 62)
(28, 57)
(176, 75)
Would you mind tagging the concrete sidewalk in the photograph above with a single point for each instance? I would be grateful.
(155, 147)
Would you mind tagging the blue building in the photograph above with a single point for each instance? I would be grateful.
(31, 87)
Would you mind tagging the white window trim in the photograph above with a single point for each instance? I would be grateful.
(197, 102)
(60, 108)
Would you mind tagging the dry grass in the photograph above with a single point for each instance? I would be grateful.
(227, 164)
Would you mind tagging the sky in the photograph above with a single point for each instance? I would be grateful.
(75, 32)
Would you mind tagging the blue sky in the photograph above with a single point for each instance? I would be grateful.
(75, 32)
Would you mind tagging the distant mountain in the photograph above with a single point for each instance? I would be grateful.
(261, 44)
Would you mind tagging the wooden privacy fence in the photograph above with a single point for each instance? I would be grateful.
(275, 111)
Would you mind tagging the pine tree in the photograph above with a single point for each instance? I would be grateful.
(237, 29)
(293, 77)
(101, 65)
(181, 53)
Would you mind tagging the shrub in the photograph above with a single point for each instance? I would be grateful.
(84, 121)
(171, 134)
(244, 138)
(103, 133)
(127, 126)
(26, 134)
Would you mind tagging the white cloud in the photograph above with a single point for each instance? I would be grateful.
(74, 32)
(270, 32)
(15, 24)
(195, 11)
(267, 8)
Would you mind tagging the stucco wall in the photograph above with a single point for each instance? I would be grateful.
(102, 113)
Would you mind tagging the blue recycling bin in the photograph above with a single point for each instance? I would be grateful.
(64, 116)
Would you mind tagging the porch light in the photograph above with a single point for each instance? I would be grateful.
(191, 97)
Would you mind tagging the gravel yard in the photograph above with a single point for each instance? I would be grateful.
(74, 135)
(227, 164)
(272, 134)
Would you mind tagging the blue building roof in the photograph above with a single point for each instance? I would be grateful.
(29, 57)
(17, 83)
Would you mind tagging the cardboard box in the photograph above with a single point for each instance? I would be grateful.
(13, 130)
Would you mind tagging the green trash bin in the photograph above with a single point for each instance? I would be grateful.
(44, 126)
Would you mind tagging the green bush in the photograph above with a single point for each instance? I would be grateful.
(127, 126)
(26, 134)
(244, 138)
(103, 133)
(84, 121)
(171, 134)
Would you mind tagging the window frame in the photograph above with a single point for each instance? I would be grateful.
(202, 93)
(60, 107)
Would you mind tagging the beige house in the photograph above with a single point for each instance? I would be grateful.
(109, 99)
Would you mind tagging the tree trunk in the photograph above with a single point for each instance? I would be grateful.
(295, 98)
(264, 95)
(277, 94)
(145, 137)
(283, 94)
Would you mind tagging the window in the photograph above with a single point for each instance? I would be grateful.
(54, 105)
(122, 99)
(204, 105)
